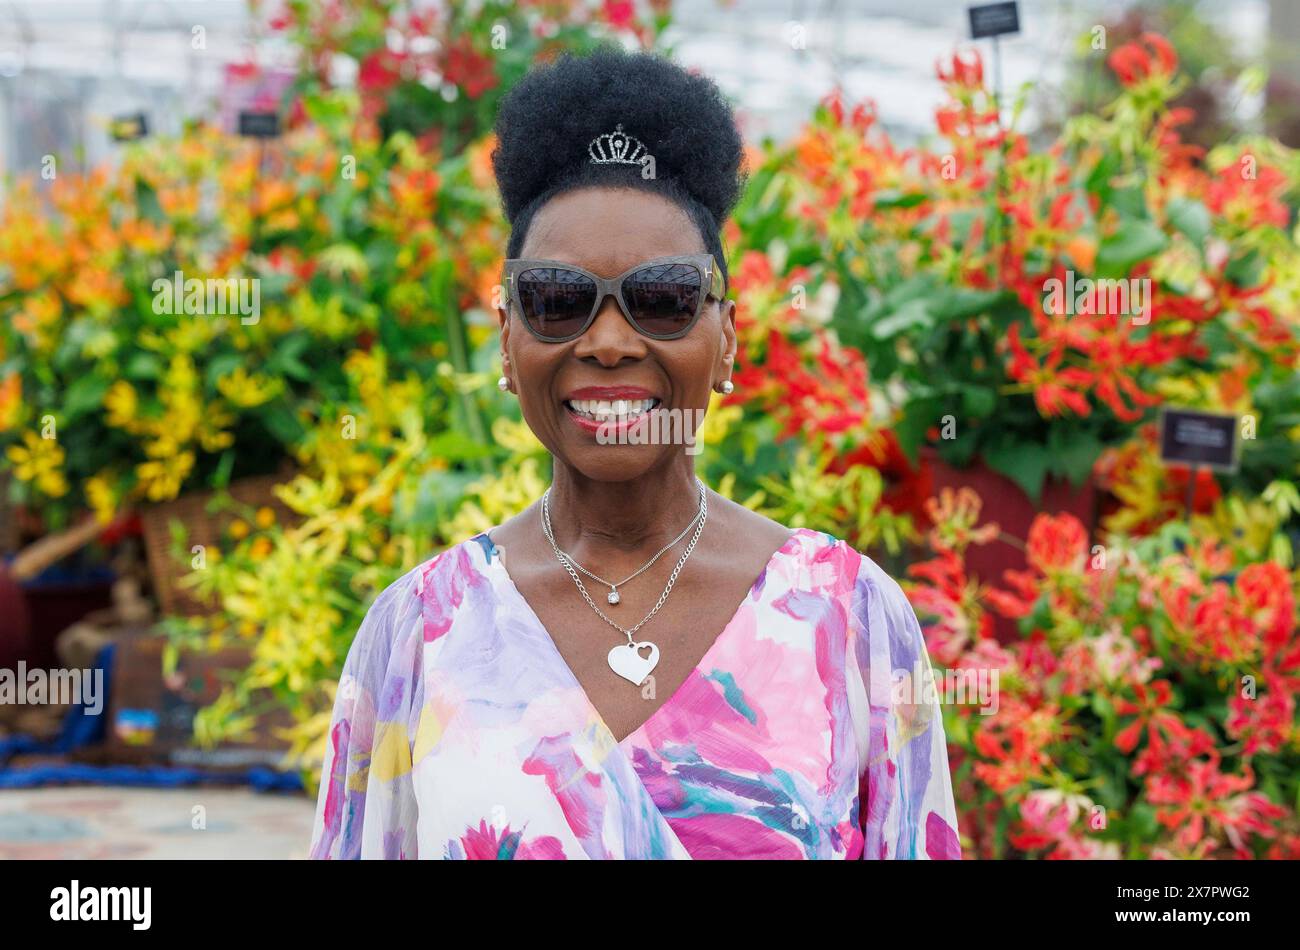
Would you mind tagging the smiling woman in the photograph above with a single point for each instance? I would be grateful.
(634, 667)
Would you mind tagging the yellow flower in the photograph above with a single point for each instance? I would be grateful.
(239, 529)
(515, 436)
(495, 498)
(718, 421)
(181, 375)
(248, 391)
(102, 499)
(265, 517)
(161, 480)
(40, 461)
(183, 416)
(213, 436)
(123, 406)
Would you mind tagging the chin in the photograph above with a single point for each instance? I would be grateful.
(614, 463)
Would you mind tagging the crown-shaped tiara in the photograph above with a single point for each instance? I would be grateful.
(617, 148)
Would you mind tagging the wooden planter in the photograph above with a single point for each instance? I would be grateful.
(1006, 503)
(8, 518)
(204, 524)
(151, 715)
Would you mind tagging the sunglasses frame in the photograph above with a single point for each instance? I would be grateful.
(712, 283)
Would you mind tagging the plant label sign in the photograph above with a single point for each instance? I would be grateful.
(128, 128)
(259, 125)
(1207, 439)
(994, 19)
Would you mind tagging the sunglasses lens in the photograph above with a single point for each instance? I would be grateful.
(664, 298)
(556, 302)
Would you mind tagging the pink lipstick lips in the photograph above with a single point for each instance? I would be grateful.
(611, 409)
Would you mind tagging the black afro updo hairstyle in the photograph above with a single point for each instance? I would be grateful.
(547, 121)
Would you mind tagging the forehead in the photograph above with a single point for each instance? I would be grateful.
(608, 230)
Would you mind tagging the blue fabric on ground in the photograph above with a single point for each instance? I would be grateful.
(81, 728)
(154, 776)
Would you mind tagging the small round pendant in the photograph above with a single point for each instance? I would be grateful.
(613, 597)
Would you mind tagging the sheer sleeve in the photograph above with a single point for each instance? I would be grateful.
(366, 806)
(906, 807)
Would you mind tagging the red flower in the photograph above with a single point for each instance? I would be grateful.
(1055, 390)
(469, 69)
(966, 73)
(1057, 543)
(1200, 799)
(1249, 195)
(380, 71)
(1133, 62)
(619, 14)
(1264, 722)
(1016, 741)
(1150, 712)
(1266, 590)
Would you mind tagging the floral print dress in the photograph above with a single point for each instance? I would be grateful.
(459, 731)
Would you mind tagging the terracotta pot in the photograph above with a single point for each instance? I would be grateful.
(1006, 503)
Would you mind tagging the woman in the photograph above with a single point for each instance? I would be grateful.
(502, 700)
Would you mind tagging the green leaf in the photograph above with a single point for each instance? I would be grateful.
(1074, 456)
(961, 303)
(919, 414)
(1190, 217)
(282, 424)
(893, 198)
(221, 366)
(1135, 241)
(1244, 271)
(912, 314)
(1025, 463)
(1130, 201)
(85, 395)
(147, 203)
(978, 401)
(1099, 179)
(143, 366)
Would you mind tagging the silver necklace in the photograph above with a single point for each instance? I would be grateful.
(613, 597)
(626, 659)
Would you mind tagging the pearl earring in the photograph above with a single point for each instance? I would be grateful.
(728, 387)
(503, 384)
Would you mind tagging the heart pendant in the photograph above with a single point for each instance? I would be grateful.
(626, 660)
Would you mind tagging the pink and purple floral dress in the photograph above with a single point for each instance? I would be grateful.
(459, 731)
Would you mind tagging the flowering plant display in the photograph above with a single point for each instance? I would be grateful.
(1150, 710)
(1029, 307)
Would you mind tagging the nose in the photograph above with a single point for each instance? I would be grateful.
(611, 338)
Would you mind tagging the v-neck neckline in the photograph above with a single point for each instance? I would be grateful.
(495, 563)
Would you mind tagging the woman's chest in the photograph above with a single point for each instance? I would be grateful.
(751, 754)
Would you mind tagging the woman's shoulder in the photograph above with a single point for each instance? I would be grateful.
(832, 566)
(410, 596)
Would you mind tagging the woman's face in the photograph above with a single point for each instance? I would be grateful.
(609, 231)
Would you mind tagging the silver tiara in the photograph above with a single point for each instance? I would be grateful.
(617, 148)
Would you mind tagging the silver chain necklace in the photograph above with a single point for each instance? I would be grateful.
(613, 597)
(626, 659)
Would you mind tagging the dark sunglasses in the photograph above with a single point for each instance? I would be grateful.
(661, 298)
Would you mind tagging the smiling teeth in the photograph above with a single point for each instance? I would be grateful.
(609, 410)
